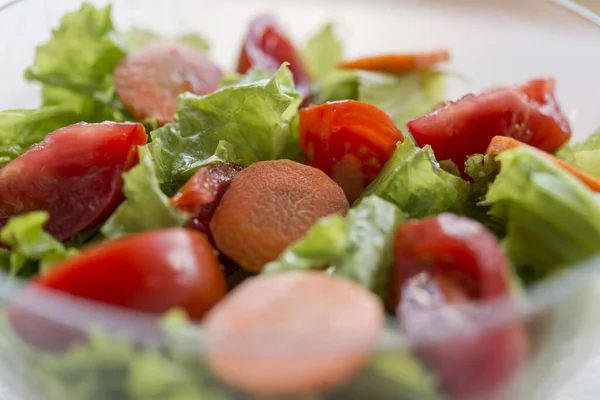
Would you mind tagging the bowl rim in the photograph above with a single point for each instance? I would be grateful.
(535, 299)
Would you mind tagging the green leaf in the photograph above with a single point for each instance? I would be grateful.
(28, 241)
(19, 129)
(552, 220)
(253, 117)
(337, 85)
(322, 53)
(146, 207)
(402, 97)
(357, 247)
(75, 66)
(136, 38)
(413, 181)
(482, 169)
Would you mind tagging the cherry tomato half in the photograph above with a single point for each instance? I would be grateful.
(441, 264)
(348, 140)
(151, 272)
(528, 113)
(74, 174)
(267, 46)
(201, 195)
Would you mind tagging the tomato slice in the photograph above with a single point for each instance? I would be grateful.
(201, 195)
(151, 272)
(441, 264)
(398, 63)
(74, 174)
(528, 113)
(348, 140)
(149, 80)
(267, 46)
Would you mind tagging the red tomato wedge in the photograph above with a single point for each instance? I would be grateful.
(74, 175)
(267, 46)
(441, 264)
(201, 195)
(149, 80)
(348, 140)
(151, 272)
(528, 113)
(398, 63)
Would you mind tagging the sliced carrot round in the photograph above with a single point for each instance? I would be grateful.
(398, 63)
(268, 206)
(149, 80)
(292, 334)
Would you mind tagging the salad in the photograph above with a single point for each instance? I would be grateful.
(301, 208)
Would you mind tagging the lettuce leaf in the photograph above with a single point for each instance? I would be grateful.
(337, 85)
(30, 244)
(552, 220)
(19, 129)
(254, 118)
(136, 38)
(75, 66)
(146, 207)
(322, 53)
(483, 170)
(413, 181)
(402, 97)
(357, 247)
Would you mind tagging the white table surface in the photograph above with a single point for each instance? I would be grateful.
(585, 385)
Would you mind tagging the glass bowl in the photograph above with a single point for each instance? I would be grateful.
(129, 356)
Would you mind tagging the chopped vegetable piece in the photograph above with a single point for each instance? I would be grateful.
(74, 175)
(267, 46)
(413, 181)
(348, 140)
(151, 272)
(149, 80)
(529, 113)
(250, 121)
(322, 53)
(398, 63)
(270, 205)
(292, 334)
(500, 144)
(442, 263)
(201, 195)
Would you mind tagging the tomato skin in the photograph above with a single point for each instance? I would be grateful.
(74, 175)
(202, 193)
(445, 262)
(528, 113)
(348, 140)
(152, 272)
(267, 46)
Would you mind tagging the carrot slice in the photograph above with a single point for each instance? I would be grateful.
(503, 143)
(397, 63)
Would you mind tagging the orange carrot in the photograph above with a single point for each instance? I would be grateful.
(397, 63)
(503, 143)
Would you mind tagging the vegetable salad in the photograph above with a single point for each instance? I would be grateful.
(299, 208)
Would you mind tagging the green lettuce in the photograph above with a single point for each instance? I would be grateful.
(413, 181)
(402, 97)
(146, 207)
(357, 247)
(552, 220)
(337, 85)
(254, 118)
(136, 38)
(322, 53)
(19, 129)
(586, 154)
(75, 66)
(31, 248)
(482, 169)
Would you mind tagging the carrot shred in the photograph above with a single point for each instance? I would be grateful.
(397, 63)
(503, 143)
